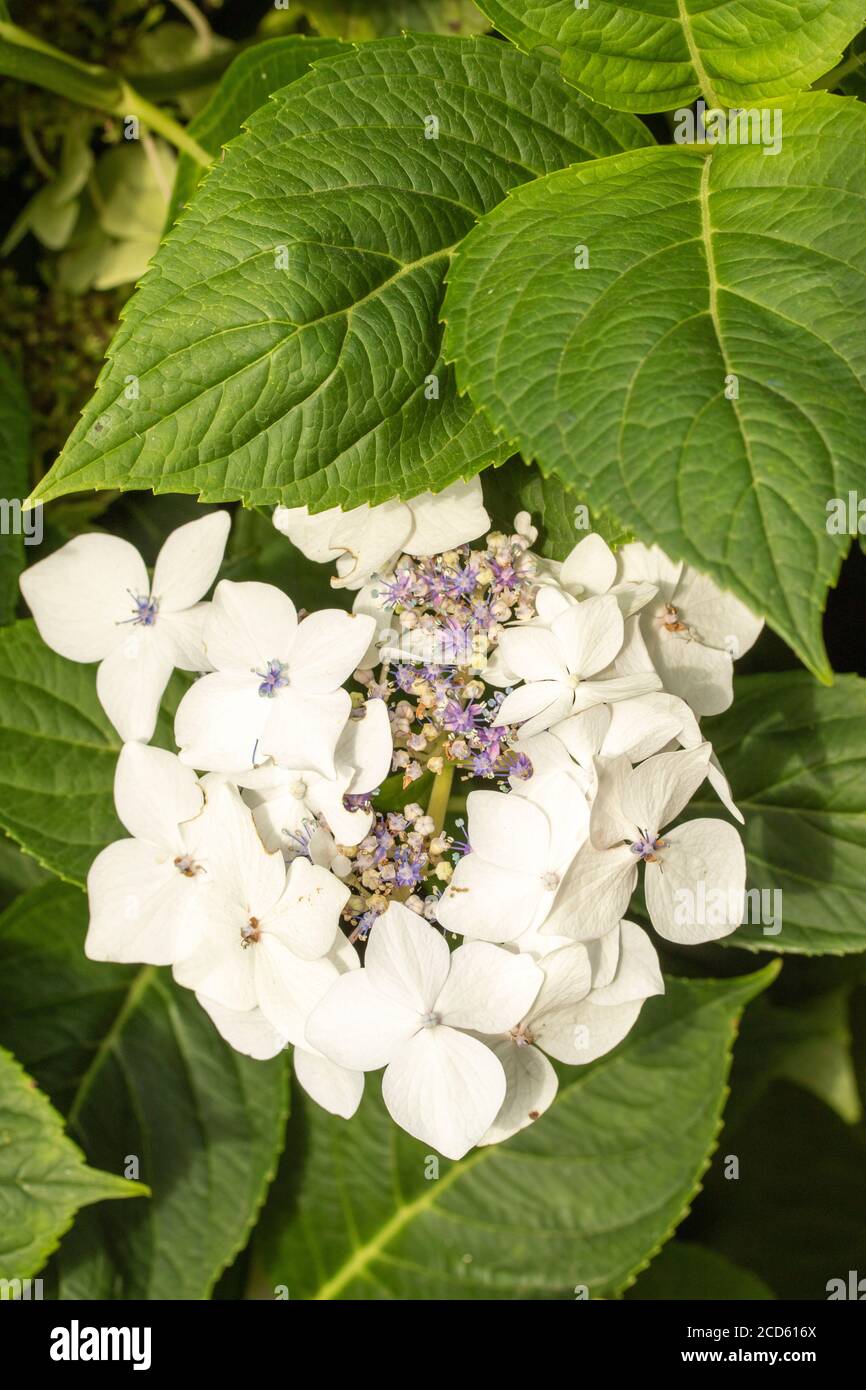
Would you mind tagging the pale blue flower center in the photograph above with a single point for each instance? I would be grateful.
(648, 846)
(145, 609)
(272, 679)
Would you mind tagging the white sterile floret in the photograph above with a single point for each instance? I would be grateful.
(589, 570)
(589, 1001)
(269, 932)
(693, 629)
(411, 1009)
(695, 874)
(557, 665)
(93, 601)
(287, 802)
(367, 540)
(147, 894)
(519, 849)
(276, 689)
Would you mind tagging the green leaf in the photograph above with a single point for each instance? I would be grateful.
(141, 1071)
(583, 1198)
(43, 1176)
(794, 1214)
(287, 338)
(14, 483)
(657, 57)
(254, 75)
(360, 20)
(559, 514)
(709, 271)
(686, 1272)
(810, 1045)
(57, 755)
(795, 755)
(17, 871)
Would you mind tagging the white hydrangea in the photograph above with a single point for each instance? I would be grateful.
(283, 862)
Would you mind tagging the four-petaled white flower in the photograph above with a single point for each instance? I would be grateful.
(367, 540)
(693, 629)
(557, 665)
(699, 862)
(520, 847)
(412, 1009)
(276, 688)
(590, 999)
(269, 932)
(92, 600)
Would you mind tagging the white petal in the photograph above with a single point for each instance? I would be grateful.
(220, 722)
(594, 894)
(311, 534)
(604, 953)
(590, 567)
(249, 625)
(583, 734)
(609, 689)
(153, 793)
(247, 1030)
(567, 980)
(366, 746)
(485, 902)
(80, 595)
(598, 1029)
(718, 617)
(335, 1088)
(722, 787)
(142, 908)
(189, 561)
(608, 823)
(246, 874)
(407, 960)
(443, 520)
(536, 706)
(488, 990)
(445, 1089)
(357, 1026)
(639, 562)
(220, 967)
(533, 653)
(288, 988)
(531, 1087)
(131, 681)
(328, 646)
(695, 892)
(508, 831)
(301, 730)
(655, 793)
(306, 918)
(645, 725)
(550, 601)
(183, 634)
(702, 676)
(369, 539)
(589, 635)
(638, 973)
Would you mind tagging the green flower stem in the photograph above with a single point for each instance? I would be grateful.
(437, 806)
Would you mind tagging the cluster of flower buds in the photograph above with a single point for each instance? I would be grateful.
(304, 863)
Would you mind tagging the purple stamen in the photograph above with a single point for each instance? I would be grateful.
(273, 679)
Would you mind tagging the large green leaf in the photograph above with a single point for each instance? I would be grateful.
(14, 482)
(141, 1071)
(254, 75)
(57, 755)
(558, 513)
(656, 57)
(287, 338)
(796, 758)
(43, 1176)
(582, 1198)
(712, 270)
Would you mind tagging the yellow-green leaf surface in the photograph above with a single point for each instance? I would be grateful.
(655, 57)
(677, 331)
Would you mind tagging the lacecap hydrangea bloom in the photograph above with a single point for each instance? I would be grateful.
(406, 838)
